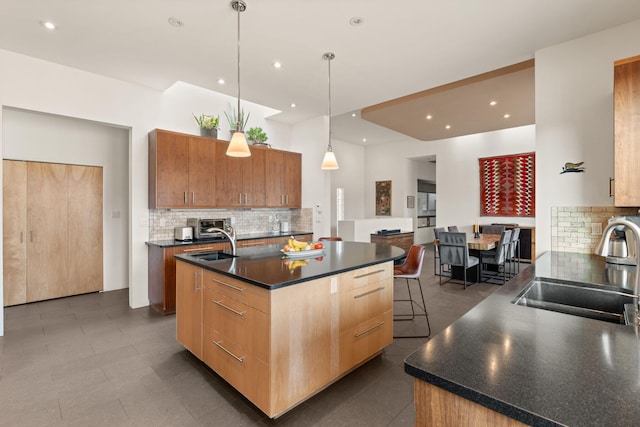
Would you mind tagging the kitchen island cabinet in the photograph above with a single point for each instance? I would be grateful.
(506, 364)
(279, 331)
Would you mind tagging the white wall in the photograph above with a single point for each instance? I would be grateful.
(574, 121)
(47, 138)
(349, 177)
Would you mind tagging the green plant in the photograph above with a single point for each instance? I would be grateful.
(236, 118)
(256, 134)
(207, 122)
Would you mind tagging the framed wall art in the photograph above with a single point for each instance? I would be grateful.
(411, 202)
(508, 185)
(383, 198)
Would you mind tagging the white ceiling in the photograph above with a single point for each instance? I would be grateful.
(400, 48)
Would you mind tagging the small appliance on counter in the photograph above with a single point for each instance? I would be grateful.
(284, 227)
(205, 228)
(183, 234)
(622, 244)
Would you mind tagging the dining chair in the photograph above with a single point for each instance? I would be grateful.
(331, 239)
(436, 252)
(514, 252)
(453, 228)
(498, 257)
(454, 252)
(412, 269)
(493, 229)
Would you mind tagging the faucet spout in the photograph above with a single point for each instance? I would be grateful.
(231, 236)
(603, 247)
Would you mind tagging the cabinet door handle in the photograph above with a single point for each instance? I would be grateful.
(366, 331)
(185, 198)
(246, 199)
(193, 197)
(368, 274)
(369, 293)
(611, 186)
(258, 243)
(198, 249)
(228, 285)
(239, 313)
(21, 237)
(31, 236)
(239, 359)
(196, 274)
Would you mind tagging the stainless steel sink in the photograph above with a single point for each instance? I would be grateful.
(578, 299)
(212, 256)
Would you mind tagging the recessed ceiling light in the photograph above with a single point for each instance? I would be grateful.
(364, 139)
(356, 21)
(447, 127)
(48, 25)
(429, 117)
(293, 105)
(221, 81)
(176, 22)
(353, 114)
(277, 65)
(493, 103)
(506, 116)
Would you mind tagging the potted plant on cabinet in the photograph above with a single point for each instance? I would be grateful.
(208, 125)
(237, 120)
(257, 136)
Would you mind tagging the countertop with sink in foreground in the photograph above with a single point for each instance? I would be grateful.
(537, 366)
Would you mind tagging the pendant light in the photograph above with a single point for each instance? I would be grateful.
(238, 146)
(329, 162)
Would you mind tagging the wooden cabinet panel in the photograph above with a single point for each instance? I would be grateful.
(360, 342)
(85, 229)
(238, 290)
(47, 213)
(284, 183)
(361, 304)
(365, 276)
(189, 307)
(14, 243)
(202, 177)
(626, 95)
(240, 181)
(168, 169)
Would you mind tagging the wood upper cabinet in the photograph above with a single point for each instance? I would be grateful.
(181, 170)
(626, 96)
(284, 179)
(240, 181)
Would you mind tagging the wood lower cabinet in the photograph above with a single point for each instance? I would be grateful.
(280, 347)
(626, 96)
(401, 240)
(52, 220)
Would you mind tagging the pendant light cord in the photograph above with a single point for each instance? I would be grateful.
(329, 56)
(240, 8)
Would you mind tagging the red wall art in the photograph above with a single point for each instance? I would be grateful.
(508, 185)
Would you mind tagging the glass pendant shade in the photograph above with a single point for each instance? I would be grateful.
(238, 146)
(329, 162)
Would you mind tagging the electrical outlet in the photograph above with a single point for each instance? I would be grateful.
(596, 229)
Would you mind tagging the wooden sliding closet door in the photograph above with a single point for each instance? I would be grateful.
(85, 229)
(14, 243)
(48, 231)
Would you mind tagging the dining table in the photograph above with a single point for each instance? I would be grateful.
(484, 242)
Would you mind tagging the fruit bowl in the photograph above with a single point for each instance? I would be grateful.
(312, 253)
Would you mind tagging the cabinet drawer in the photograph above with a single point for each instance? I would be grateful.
(244, 292)
(201, 248)
(243, 371)
(364, 340)
(365, 276)
(235, 322)
(365, 302)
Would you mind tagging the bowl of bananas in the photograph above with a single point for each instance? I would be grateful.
(298, 249)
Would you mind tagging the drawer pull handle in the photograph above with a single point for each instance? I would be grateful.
(259, 243)
(368, 274)
(369, 293)
(366, 331)
(239, 313)
(239, 359)
(199, 249)
(228, 285)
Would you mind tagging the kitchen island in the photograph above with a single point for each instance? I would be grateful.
(281, 329)
(506, 364)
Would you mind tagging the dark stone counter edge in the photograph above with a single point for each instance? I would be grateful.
(211, 267)
(168, 243)
(499, 406)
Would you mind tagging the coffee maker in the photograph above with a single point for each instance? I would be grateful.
(622, 245)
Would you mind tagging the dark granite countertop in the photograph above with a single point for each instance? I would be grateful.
(247, 236)
(266, 266)
(537, 366)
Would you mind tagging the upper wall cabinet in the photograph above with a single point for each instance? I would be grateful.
(192, 172)
(626, 94)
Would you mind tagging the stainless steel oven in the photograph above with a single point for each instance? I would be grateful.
(203, 228)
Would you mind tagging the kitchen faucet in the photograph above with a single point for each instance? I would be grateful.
(603, 247)
(231, 236)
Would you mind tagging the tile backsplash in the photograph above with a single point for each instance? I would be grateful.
(571, 226)
(245, 221)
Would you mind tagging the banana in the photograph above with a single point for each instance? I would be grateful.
(297, 244)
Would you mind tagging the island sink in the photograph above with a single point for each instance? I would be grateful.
(575, 298)
(212, 256)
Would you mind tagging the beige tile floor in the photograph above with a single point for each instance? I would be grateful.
(90, 360)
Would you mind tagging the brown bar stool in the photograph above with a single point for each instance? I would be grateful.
(412, 269)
